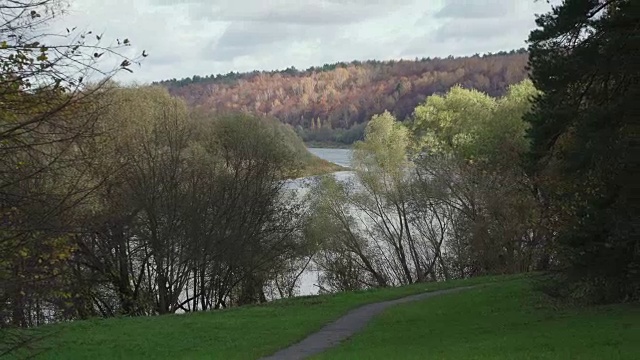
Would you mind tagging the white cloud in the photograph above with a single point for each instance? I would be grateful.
(187, 37)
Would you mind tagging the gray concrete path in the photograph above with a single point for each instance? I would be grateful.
(355, 320)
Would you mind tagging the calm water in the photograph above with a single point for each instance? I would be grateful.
(341, 157)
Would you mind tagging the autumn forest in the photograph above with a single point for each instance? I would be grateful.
(344, 95)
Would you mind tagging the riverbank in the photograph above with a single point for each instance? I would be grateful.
(317, 166)
(321, 161)
(327, 145)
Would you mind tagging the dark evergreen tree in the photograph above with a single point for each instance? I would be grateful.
(585, 59)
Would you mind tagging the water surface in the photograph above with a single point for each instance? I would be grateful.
(341, 157)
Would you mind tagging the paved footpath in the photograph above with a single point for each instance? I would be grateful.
(332, 334)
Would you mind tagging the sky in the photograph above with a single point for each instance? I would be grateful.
(201, 37)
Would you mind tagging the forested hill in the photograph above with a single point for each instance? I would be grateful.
(343, 94)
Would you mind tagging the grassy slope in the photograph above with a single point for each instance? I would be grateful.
(504, 321)
(242, 333)
(317, 166)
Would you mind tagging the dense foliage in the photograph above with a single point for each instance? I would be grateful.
(122, 201)
(159, 210)
(584, 133)
(444, 197)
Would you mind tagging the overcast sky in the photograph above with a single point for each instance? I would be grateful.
(187, 37)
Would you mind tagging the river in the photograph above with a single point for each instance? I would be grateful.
(341, 157)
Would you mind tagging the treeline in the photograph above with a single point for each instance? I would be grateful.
(233, 76)
(345, 94)
(330, 136)
(142, 207)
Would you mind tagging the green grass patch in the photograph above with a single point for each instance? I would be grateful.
(240, 333)
(507, 320)
(317, 166)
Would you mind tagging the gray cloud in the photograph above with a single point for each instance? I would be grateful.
(187, 37)
(251, 34)
(474, 9)
(481, 29)
(245, 38)
(305, 12)
(466, 27)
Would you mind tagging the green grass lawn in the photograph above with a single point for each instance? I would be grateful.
(508, 320)
(241, 333)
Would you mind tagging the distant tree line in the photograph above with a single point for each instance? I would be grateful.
(342, 95)
(327, 135)
(233, 76)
